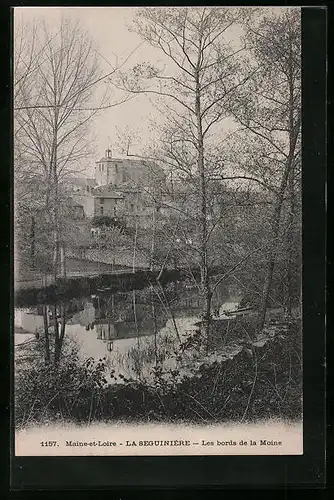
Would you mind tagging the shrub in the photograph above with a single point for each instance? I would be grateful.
(44, 391)
(257, 383)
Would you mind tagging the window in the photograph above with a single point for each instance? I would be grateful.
(101, 210)
(102, 201)
(87, 189)
(131, 207)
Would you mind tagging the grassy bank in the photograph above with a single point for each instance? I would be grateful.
(261, 381)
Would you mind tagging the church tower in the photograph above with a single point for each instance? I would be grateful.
(103, 169)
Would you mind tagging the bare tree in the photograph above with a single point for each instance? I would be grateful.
(204, 70)
(269, 112)
(52, 113)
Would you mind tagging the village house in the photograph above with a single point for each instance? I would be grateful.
(122, 187)
(81, 191)
(108, 201)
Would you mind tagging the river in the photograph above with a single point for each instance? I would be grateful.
(130, 332)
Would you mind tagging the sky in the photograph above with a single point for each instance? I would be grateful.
(108, 27)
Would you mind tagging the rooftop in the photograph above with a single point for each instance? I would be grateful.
(126, 159)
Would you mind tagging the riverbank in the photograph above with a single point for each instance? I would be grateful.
(85, 277)
(83, 286)
(260, 378)
(75, 268)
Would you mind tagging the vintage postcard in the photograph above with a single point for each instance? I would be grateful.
(157, 213)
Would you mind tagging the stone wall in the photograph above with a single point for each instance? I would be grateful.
(118, 257)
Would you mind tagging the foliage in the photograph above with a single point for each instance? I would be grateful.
(260, 382)
(64, 390)
(230, 143)
(55, 74)
(102, 221)
(230, 211)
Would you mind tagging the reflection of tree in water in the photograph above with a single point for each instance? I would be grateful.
(125, 315)
(56, 322)
(48, 323)
(117, 316)
(120, 307)
(145, 312)
(132, 315)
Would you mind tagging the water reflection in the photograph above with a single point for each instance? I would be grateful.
(115, 326)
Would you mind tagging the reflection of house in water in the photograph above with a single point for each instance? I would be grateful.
(115, 320)
(106, 333)
(111, 318)
(108, 330)
(85, 317)
(31, 320)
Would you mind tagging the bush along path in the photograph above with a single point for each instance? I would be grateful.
(261, 379)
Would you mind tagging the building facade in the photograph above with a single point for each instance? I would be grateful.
(81, 191)
(108, 201)
(122, 187)
(120, 171)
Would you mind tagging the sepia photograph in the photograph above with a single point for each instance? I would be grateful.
(157, 169)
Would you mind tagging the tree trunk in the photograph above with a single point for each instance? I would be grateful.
(54, 194)
(153, 241)
(205, 284)
(134, 307)
(266, 292)
(135, 247)
(62, 327)
(288, 168)
(59, 338)
(207, 318)
(55, 255)
(154, 325)
(290, 293)
(62, 261)
(32, 243)
(56, 330)
(272, 251)
(46, 332)
(55, 223)
(113, 305)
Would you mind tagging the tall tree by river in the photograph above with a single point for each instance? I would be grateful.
(268, 110)
(205, 72)
(56, 70)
